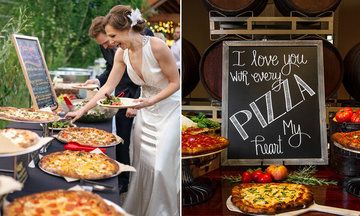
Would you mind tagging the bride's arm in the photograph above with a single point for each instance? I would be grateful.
(168, 67)
(114, 78)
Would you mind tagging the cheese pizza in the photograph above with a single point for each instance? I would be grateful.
(27, 114)
(21, 138)
(60, 202)
(350, 140)
(195, 143)
(79, 165)
(270, 198)
(88, 137)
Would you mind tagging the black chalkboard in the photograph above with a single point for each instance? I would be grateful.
(35, 71)
(273, 102)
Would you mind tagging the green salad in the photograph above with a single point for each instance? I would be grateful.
(203, 122)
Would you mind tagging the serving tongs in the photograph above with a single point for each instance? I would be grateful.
(96, 186)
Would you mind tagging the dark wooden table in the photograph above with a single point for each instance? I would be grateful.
(332, 195)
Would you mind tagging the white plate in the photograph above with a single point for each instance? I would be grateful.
(54, 174)
(126, 103)
(233, 208)
(83, 86)
(41, 142)
(118, 141)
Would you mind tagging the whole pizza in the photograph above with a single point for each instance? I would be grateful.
(270, 198)
(79, 165)
(21, 138)
(349, 140)
(88, 137)
(195, 143)
(27, 114)
(60, 202)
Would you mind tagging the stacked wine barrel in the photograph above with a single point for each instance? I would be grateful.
(211, 60)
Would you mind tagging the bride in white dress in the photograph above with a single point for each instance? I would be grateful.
(155, 144)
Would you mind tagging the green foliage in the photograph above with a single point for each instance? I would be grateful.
(62, 28)
(13, 90)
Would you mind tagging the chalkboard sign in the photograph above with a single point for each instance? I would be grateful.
(273, 102)
(35, 71)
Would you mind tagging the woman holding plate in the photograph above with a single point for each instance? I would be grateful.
(155, 143)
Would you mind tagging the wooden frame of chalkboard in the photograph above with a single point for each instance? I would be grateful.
(273, 103)
(35, 71)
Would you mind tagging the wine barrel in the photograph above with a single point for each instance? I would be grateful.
(352, 72)
(211, 68)
(307, 7)
(236, 7)
(189, 67)
(333, 66)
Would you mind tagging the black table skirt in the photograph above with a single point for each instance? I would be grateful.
(40, 181)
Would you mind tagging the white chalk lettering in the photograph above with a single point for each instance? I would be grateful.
(260, 60)
(267, 148)
(238, 58)
(239, 76)
(292, 60)
(295, 140)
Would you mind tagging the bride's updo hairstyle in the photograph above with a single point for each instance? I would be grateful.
(119, 18)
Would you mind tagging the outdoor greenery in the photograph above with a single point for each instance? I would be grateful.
(62, 29)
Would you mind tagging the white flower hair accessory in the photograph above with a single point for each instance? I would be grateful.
(135, 16)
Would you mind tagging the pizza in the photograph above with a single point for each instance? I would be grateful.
(194, 143)
(60, 202)
(79, 165)
(27, 114)
(21, 138)
(270, 198)
(88, 137)
(350, 140)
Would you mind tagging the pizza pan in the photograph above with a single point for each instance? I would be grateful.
(116, 207)
(83, 86)
(24, 121)
(126, 103)
(344, 148)
(54, 174)
(41, 142)
(118, 141)
(202, 155)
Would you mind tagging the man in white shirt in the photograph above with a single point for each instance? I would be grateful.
(176, 47)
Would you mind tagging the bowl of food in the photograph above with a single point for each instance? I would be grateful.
(96, 114)
(60, 125)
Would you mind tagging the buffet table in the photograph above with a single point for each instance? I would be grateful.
(40, 181)
(331, 195)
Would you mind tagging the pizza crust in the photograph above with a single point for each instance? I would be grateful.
(21, 138)
(350, 140)
(271, 198)
(27, 114)
(79, 165)
(60, 202)
(87, 136)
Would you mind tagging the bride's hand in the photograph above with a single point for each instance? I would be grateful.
(75, 115)
(131, 113)
(143, 102)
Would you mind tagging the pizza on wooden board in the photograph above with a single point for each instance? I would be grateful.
(194, 142)
(87, 136)
(349, 140)
(60, 202)
(270, 198)
(27, 114)
(79, 165)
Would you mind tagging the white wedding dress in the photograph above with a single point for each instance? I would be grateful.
(155, 144)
